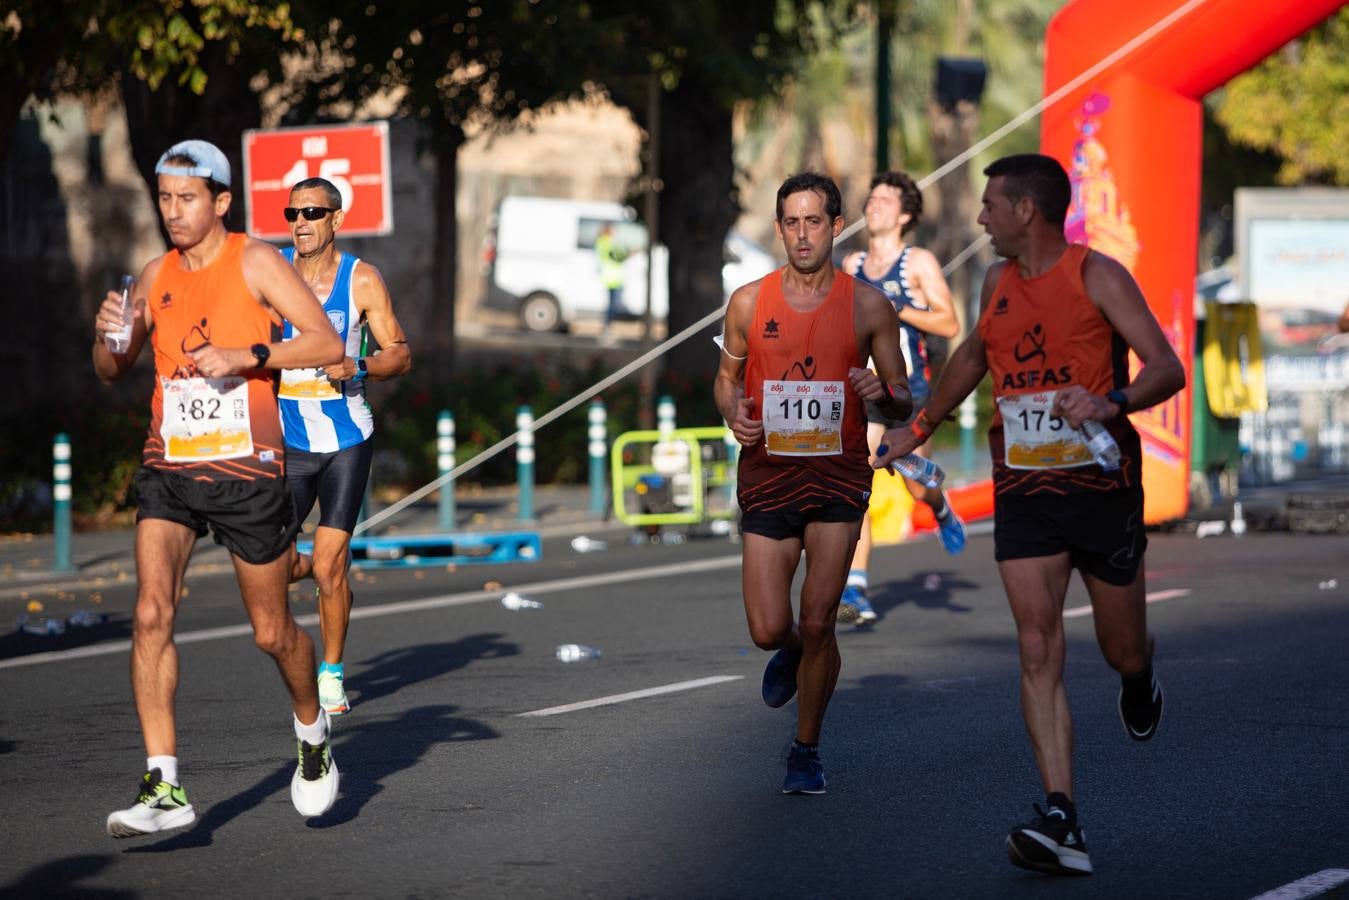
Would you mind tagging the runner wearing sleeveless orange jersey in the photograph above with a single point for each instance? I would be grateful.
(1056, 324)
(792, 385)
(214, 460)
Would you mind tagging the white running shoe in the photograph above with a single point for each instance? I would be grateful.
(332, 694)
(313, 788)
(159, 806)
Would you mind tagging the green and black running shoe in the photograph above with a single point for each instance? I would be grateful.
(313, 788)
(158, 807)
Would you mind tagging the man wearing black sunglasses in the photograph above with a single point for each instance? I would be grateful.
(327, 421)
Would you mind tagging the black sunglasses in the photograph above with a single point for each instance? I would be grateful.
(312, 213)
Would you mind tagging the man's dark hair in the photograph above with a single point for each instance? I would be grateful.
(1039, 177)
(910, 197)
(331, 194)
(181, 159)
(812, 181)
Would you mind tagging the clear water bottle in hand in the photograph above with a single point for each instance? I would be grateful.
(576, 652)
(1102, 446)
(118, 341)
(917, 468)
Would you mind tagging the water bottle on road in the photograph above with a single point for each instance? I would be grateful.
(1102, 446)
(514, 602)
(119, 341)
(576, 652)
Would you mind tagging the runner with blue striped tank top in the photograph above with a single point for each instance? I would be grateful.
(912, 280)
(327, 422)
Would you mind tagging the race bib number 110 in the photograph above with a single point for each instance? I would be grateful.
(803, 418)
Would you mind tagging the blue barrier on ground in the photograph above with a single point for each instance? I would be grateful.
(405, 551)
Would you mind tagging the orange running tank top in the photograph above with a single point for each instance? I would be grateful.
(211, 429)
(814, 423)
(1043, 334)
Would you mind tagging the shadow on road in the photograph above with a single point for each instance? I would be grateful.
(387, 673)
(62, 877)
(931, 589)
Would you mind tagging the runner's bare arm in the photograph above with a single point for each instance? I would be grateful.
(963, 371)
(729, 388)
(930, 284)
(1343, 324)
(372, 299)
(1117, 295)
(879, 330)
(276, 282)
(852, 263)
(109, 366)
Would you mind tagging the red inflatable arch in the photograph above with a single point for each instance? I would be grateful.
(1130, 139)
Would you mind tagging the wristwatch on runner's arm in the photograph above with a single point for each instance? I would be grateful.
(261, 352)
(1117, 397)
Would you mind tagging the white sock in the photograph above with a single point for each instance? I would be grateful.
(167, 766)
(314, 734)
(857, 578)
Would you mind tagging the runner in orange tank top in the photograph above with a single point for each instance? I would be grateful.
(213, 460)
(791, 386)
(1056, 322)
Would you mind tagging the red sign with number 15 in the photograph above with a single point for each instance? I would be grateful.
(355, 158)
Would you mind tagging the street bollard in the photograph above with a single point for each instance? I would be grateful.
(445, 463)
(61, 502)
(967, 423)
(597, 435)
(524, 461)
(665, 417)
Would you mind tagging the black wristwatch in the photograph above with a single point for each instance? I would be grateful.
(261, 352)
(1117, 397)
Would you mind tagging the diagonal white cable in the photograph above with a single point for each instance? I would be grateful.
(941, 172)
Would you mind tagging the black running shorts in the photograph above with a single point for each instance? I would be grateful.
(1101, 531)
(781, 524)
(253, 518)
(337, 480)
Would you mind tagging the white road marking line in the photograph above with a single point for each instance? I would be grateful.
(1153, 597)
(1308, 887)
(556, 585)
(631, 695)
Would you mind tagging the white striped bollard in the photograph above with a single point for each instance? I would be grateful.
(445, 448)
(524, 461)
(61, 496)
(597, 435)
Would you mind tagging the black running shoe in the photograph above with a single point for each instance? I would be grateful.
(1050, 844)
(1141, 710)
(779, 677)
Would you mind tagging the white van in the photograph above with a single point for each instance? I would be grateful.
(542, 265)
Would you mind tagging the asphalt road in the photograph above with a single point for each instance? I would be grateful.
(450, 790)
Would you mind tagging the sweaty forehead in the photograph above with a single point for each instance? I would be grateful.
(308, 197)
(803, 203)
(182, 184)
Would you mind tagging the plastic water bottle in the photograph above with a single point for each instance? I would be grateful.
(576, 653)
(919, 469)
(514, 602)
(1102, 446)
(119, 341)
